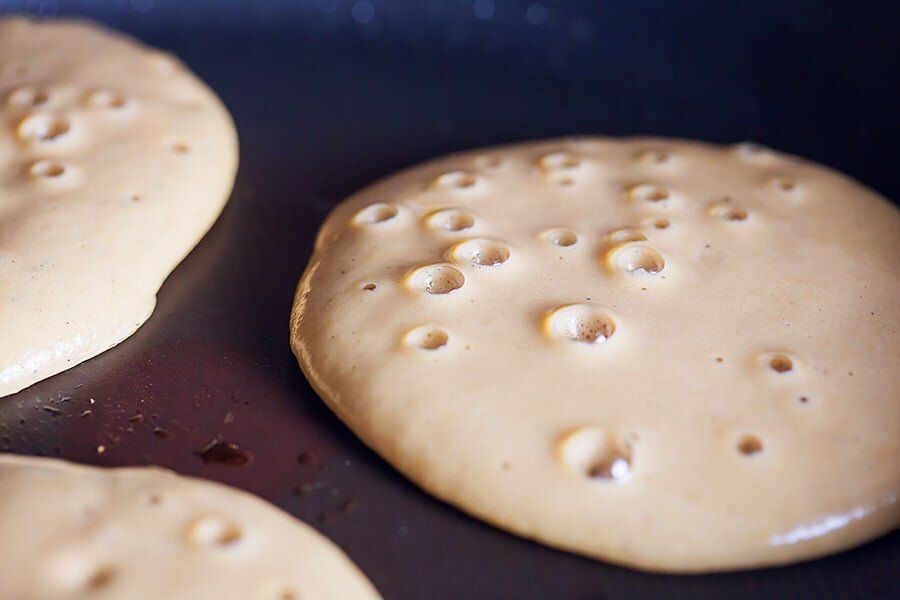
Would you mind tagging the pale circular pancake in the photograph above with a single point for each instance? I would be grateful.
(114, 161)
(670, 355)
(71, 531)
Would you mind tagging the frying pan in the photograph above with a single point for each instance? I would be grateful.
(329, 95)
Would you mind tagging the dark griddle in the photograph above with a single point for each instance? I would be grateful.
(326, 104)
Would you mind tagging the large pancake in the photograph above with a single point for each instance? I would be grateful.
(664, 354)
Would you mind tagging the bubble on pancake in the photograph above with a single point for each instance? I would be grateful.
(50, 169)
(451, 219)
(750, 445)
(482, 252)
(457, 180)
(375, 214)
(784, 185)
(596, 454)
(560, 161)
(489, 161)
(107, 99)
(275, 590)
(654, 156)
(77, 570)
(648, 192)
(28, 97)
(43, 128)
(636, 259)
(427, 338)
(560, 237)
(561, 180)
(727, 210)
(752, 151)
(625, 235)
(161, 63)
(437, 279)
(582, 323)
(214, 532)
(779, 362)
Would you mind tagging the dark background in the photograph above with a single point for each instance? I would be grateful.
(329, 95)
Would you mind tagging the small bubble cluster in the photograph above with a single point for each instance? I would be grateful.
(630, 251)
(560, 167)
(48, 121)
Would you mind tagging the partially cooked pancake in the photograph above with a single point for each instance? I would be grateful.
(665, 354)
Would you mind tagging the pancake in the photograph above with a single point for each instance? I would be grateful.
(73, 531)
(114, 162)
(665, 354)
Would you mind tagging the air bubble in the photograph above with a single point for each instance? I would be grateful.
(559, 161)
(451, 219)
(274, 590)
(728, 212)
(749, 445)
(161, 63)
(458, 180)
(104, 99)
(779, 362)
(583, 323)
(784, 185)
(427, 338)
(100, 578)
(648, 193)
(47, 168)
(560, 237)
(437, 279)
(596, 454)
(653, 157)
(42, 128)
(482, 252)
(636, 259)
(625, 235)
(212, 531)
(375, 214)
(489, 162)
(750, 150)
(28, 97)
(76, 569)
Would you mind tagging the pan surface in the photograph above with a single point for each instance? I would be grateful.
(329, 95)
